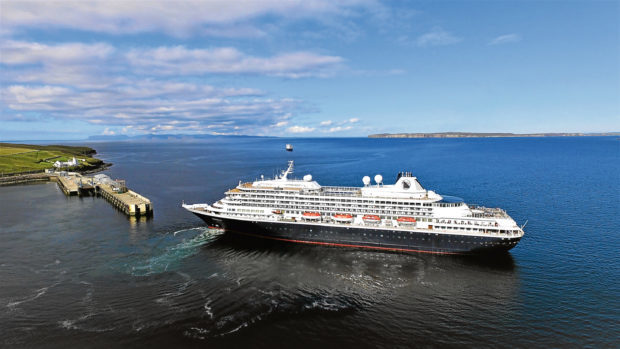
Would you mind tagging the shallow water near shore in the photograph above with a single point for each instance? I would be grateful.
(77, 272)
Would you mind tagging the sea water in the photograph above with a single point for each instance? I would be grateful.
(77, 272)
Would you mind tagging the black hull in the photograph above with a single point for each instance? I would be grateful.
(365, 237)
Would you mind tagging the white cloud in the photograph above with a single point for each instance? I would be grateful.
(229, 60)
(94, 83)
(22, 95)
(235, 31)
(339, 129)
(151, 107)
(159, 89)
(21, 52)
(88, 64)
(505, 39)
(76, 64)
(108, 132)
(437, 37)
(300, 129)
(343, 125)
(179, 18)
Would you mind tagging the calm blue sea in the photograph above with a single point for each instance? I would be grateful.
(75, 272)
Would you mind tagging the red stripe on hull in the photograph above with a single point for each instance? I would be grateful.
(395, 249)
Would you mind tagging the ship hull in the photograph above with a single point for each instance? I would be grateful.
(343, 235)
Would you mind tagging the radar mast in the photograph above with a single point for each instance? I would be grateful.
(288, 171)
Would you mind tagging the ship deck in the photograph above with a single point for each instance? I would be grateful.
(332, 191)
(460, 224)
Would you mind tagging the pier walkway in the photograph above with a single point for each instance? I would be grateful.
(115, 192)
(67, 184)
(130, 202)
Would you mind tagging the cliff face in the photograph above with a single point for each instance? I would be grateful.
(472, 135)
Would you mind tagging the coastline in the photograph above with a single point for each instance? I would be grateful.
(28, 178)
(28, 163)
(488, 135)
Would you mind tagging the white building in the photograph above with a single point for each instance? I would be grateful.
(61, 164)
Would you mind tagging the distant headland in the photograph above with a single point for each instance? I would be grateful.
(24, 163)
(486, 135)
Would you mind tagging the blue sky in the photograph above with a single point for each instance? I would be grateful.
(314, 68)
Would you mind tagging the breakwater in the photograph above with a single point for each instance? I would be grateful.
(73, 183)
(24, 178)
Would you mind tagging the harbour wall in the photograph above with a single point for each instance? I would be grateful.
(125, 200)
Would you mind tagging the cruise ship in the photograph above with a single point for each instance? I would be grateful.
(401, 217)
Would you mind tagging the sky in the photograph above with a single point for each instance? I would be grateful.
(310, 68)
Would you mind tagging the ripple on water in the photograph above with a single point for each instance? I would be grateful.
(35, 295)
(169, 286)
(222, 317)
(89, 322)
(168, 258)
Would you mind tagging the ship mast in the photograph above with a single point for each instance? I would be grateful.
(288, 171)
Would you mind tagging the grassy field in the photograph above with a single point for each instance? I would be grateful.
(12, 150)
(16, 158)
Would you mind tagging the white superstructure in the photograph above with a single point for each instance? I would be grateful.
(405, 205)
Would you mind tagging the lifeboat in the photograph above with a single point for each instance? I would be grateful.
(311, 215)
(277, 211)
(343, 218)
(371, 218)
(406, 220)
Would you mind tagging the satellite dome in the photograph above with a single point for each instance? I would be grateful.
(378, 179)
(366, 180)
(307, 178)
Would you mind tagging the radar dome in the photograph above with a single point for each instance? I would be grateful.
(378, 179)
(307, 178)
(366, 180)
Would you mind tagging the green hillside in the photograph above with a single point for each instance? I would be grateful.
(17, 158)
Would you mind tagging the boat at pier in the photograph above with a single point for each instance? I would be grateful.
(402, 216)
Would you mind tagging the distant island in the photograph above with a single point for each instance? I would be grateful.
(483, 134)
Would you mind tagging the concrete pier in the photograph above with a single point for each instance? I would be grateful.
(67, 184)
(115, 192)
(130, 202)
